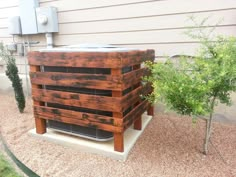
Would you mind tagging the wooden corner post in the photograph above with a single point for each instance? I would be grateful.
(39, 122)
(118, 136)
(138, 121)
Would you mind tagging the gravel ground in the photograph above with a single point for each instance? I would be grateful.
(169, 147)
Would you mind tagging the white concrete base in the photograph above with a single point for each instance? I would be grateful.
(102, 148)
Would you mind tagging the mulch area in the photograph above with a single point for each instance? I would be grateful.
(170, 146)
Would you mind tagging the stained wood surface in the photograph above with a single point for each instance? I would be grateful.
(135, 113)
(133, 77)
(40, 124)
(80, 100)
(79, 118)
(138, 58)
(116, 82)
(95, 81)
(89, 59)
(134, 96)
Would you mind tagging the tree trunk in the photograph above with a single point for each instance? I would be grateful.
(209, 128)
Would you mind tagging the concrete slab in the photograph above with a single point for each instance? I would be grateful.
(101, 148)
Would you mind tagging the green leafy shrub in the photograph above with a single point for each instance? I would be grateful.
(12, 74)
(194, 86)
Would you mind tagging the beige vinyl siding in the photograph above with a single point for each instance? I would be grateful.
(140, 24)
(156, 24)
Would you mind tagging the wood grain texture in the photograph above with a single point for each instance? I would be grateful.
(138, 121)
(90, 60)
(135, 113)
(79, 118)
(150, 110)
(94, 81)
(40, 124)
(133, 77)
(134, 96)
(80, 100)
(119, 142)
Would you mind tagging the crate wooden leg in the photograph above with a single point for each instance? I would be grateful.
(119, 142)
(150, 111)
(138, 123)
(40, 125)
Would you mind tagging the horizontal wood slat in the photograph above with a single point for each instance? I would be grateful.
(133, 77)
(75, 59)
(134, 96)
(90, 59)
(80, 100)
(135, 113)
(96, 81)
(79, 118)
(138, 58)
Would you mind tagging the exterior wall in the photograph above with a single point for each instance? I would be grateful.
(155, 24)
(129, 23)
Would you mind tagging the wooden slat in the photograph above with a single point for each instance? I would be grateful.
(137, 58)
(96, 81)
(118, 136)
(40, 124)
(78, 118)
(134, 96)
(133, 77)
(89, 59)
(135, 113)
(75, 59)
(103, 103)
(138, 120)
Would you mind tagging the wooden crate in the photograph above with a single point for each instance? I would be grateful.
(117, 82)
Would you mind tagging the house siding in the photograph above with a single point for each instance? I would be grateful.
(129, 23)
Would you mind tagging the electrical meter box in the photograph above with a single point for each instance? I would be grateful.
(47, 19)
(14, 25)
(28, 16)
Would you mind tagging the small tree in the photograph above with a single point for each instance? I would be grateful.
(12, 73)
(193, 86)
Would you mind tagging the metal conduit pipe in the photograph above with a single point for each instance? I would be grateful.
(49, 40)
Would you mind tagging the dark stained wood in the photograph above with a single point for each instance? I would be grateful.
(90, 60)
(150, 111)
(134, 96)
(96, 81)
(119, 142)
(40, 124)
(135, 58)
(80, 100)
(133, 77)
(75, 59)
(138, 121)
(135, 113)
(118, 137)
(116, 82)
(79, 118)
